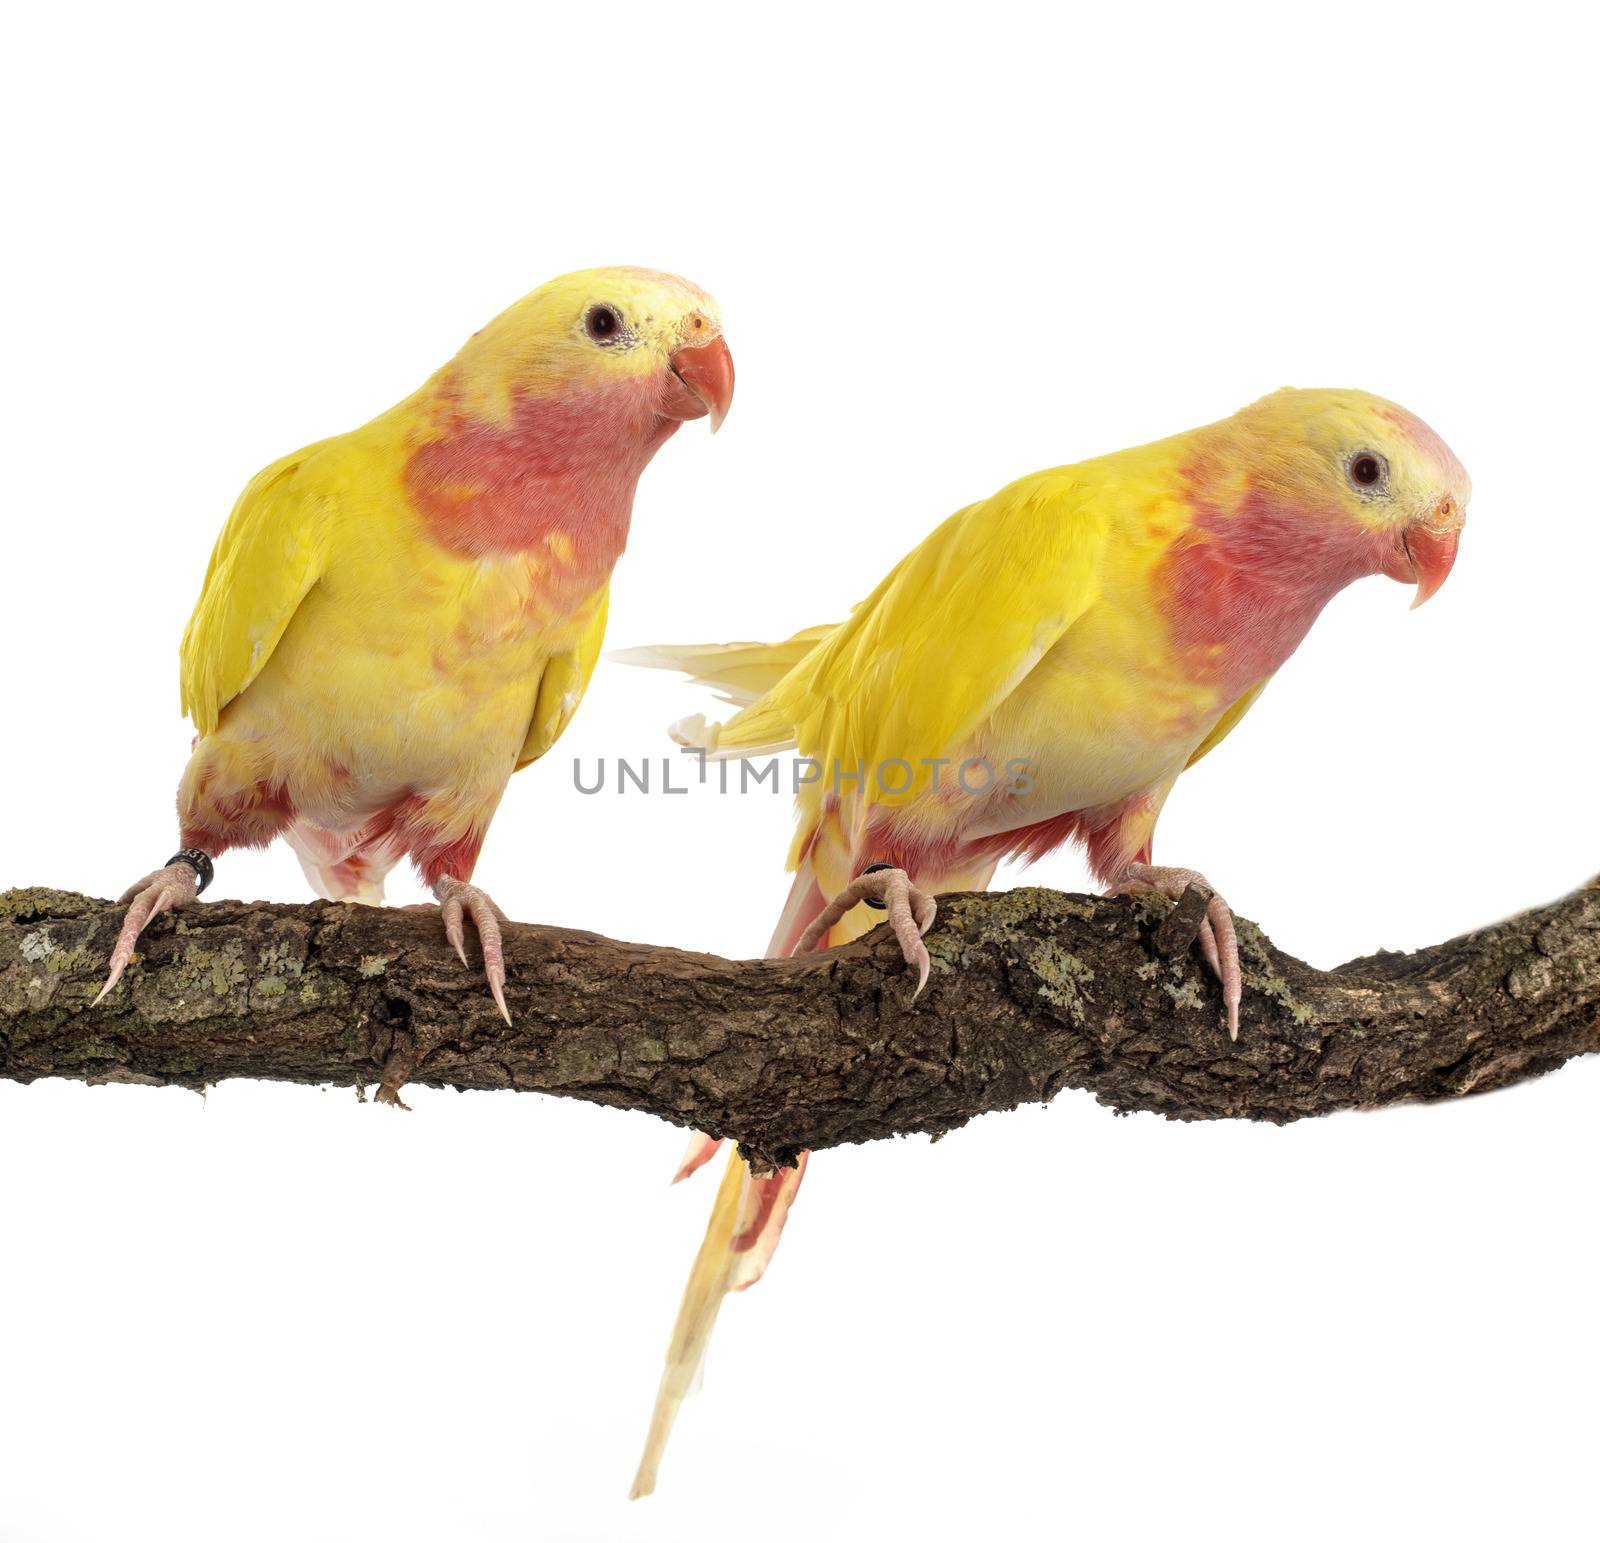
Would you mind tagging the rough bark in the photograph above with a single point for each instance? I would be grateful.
(1031, 992)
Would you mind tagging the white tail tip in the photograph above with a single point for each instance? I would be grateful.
(694, 733)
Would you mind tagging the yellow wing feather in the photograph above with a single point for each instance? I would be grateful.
(930, 655)
(561, 687)
(266, 561)
(1227, 722)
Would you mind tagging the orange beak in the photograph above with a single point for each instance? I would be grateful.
(1431, 548)
(707, 370)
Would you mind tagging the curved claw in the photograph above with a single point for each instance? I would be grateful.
(163, 890)
(1218, 938)
(911, 913)
(451, 913)
(458, 900)
(1219, 943)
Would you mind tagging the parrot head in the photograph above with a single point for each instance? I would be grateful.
(1368, 469)
(538, 430)
(639, 342)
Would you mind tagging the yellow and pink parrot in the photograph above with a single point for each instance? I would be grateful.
(397, 619)
(1043, 667)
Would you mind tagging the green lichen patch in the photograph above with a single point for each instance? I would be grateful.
(1063, 977)
(42, 963)
(1261, 974)
(279, 965)
(64, 961)
(1013, 922)
(38, 903)
(194, 983)
(1185, 993)
(215, 970)
(283, 958)
(1009, 920)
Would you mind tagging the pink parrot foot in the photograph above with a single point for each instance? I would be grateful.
(911, 913)
(1219, 942)
(164, 890)
(458, 900)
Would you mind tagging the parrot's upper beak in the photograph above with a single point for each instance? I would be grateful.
(707, 370)
(1430, 547)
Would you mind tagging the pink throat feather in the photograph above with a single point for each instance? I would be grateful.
(558, 468)
(1241, 587)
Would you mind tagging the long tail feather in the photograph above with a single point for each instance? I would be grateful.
(741, 1236)
(747, 1218)
(697, 1316)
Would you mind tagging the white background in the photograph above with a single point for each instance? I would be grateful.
(948, 253)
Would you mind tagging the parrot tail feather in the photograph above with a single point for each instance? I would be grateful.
(746, 1220)
(805, 904)
(739, 673)
(757, 1241)
(341, 866)
(743, 675)
(694, 733)
(701, 1149)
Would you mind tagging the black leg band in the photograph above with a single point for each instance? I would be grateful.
(877, 905)
(193, 857)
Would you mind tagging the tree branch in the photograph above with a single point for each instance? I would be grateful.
(1032, 991)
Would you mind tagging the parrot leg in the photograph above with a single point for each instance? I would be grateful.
(1219, 943)
(911, 913)
(164, 890)
(458, 900)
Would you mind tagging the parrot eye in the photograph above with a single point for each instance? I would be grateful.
(602, 323)
(1368, 470)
